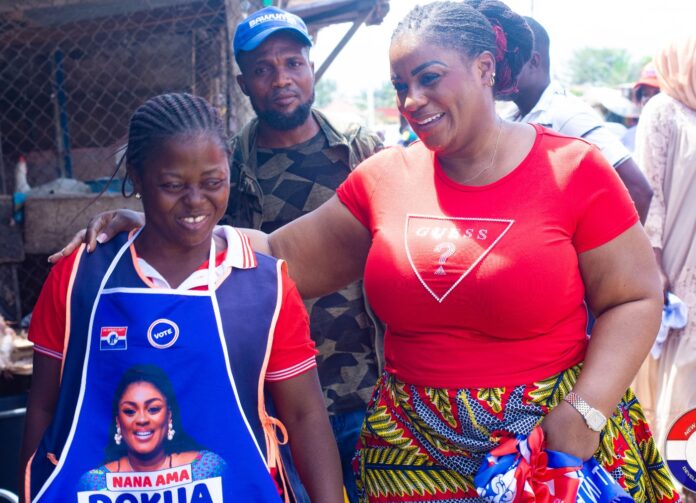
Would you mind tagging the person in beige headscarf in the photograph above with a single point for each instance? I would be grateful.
(666, 148)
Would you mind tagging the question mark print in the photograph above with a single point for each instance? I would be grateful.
(446, 250)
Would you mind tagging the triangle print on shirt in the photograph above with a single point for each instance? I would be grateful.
(442, 251)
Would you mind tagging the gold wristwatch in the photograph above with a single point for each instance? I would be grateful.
(595, 420)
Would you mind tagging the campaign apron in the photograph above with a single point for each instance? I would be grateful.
(182, 335)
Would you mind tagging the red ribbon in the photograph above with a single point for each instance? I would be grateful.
(534, 476)
(504, 85)
(500, 42)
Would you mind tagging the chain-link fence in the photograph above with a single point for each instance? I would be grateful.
(71, 75)
(73, 71)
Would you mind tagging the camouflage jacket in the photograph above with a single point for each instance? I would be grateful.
(245, 207)
(347, 335)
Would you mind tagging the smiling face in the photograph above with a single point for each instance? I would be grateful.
(143, 417)
(442, 94)
(185, 186)
(278, 78)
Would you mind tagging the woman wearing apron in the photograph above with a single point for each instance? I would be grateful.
(151, 369)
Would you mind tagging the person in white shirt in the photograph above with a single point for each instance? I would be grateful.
(541, 100)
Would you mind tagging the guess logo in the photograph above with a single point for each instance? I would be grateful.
(442, 251)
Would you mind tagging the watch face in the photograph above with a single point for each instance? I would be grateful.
(595, 420)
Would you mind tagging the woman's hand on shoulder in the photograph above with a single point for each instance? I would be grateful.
(101, 229)
(258, 240)
(565, 431)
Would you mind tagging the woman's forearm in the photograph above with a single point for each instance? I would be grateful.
(300, 406)
(40, 409)
(621, 339)
(623, 290)
(316, 457)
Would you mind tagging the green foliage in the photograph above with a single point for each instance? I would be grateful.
(385, 97)
(324, 92)
(605, 67)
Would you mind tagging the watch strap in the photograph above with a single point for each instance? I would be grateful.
(585, 410)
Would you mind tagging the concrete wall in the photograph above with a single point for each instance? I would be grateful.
(50, 222)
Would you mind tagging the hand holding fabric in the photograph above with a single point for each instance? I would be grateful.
(521, 470)
(565, 431)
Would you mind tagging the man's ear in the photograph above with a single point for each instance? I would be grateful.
(535, 61)
(306, 53)
(242, 84)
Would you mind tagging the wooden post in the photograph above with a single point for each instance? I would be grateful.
(239, 110)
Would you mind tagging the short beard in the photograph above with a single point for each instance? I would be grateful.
(285, 121)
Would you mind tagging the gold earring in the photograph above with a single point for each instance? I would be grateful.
(492, 79)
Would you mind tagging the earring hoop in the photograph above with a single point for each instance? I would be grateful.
(126, 181)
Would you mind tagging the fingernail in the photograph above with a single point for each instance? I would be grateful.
(101, 238)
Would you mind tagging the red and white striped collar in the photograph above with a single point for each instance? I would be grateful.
(238, 254)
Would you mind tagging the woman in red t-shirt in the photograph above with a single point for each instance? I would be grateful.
(478, 245)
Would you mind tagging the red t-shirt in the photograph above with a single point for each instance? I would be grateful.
(292, 351)
(480, 286)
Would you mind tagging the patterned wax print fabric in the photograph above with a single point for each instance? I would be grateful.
(294, 182)
(422, 444)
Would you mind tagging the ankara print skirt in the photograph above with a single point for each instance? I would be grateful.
(423, 444)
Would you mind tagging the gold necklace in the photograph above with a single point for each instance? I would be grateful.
(490, 164)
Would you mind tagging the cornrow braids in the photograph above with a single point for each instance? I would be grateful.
(472, 27)
(165, 116)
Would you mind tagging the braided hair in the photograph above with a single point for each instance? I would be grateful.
(166, 116)
(472, 27)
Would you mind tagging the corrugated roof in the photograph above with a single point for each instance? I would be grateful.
(325, 12)
(56, 12)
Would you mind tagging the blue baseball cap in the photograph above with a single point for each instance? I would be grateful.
(256, 28)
